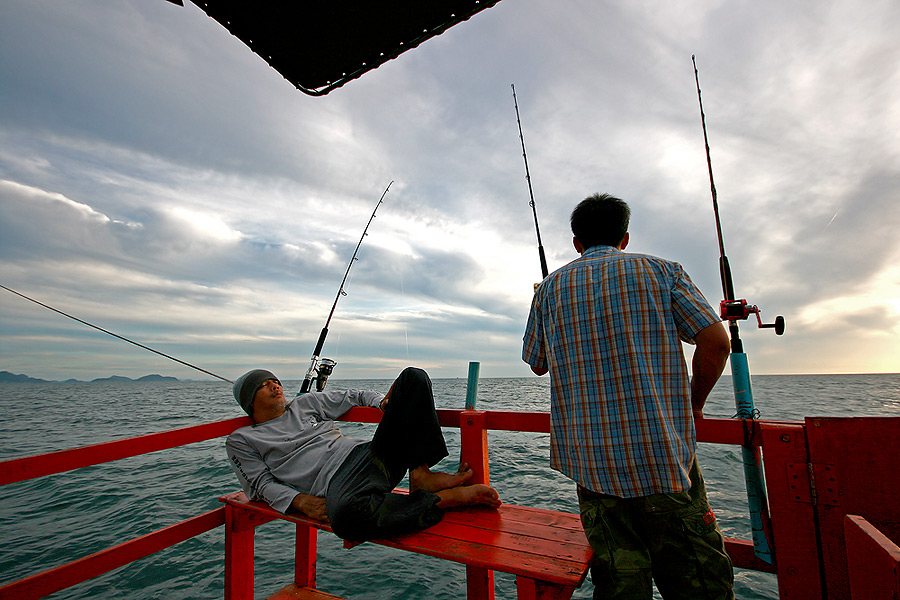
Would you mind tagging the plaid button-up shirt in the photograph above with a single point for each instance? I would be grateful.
(609, 327)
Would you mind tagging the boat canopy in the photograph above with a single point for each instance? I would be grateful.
(319, 45)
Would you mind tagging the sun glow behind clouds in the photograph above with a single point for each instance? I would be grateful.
(205, 223)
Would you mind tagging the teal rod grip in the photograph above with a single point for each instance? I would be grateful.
(751, 459)
(472, 385)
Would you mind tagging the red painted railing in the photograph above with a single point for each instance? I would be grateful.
(873, 561)
(795, 452)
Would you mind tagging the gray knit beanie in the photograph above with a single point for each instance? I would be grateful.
(246, 385)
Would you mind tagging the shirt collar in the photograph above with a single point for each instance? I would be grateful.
(600, 249)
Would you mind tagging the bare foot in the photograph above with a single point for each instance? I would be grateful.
(423, 478)
(469, 495)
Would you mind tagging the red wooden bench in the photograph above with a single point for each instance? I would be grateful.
(546, 550)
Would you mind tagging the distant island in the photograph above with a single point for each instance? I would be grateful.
(7, 377)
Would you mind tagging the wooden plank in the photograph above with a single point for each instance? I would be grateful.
(873, 561)
(77, 571)
(533, 523)
(475, 525)
(564, 561)
(517, 518)
(743, 557)
(297, 592)
(793, 519)
(566, 549)
(547, 568)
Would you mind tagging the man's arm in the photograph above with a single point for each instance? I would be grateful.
(539, 371)
(255, 478)
(710, 356)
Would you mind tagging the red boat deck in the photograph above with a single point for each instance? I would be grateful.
(833, 491)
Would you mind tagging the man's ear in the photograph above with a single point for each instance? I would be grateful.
(624, 241)
(578, 247)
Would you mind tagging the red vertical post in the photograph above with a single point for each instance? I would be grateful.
(530, 589)
(305, 556)
(239, 537)
(792, 511)
(473, 439)
(474, 442)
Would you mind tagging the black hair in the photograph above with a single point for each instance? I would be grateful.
(600, 220)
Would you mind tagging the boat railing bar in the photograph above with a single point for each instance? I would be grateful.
(712, 430)
(50, 463)
(59, 578)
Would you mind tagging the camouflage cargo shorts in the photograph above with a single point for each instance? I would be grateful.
(670, 539)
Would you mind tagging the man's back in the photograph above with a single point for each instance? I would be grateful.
(609, 326)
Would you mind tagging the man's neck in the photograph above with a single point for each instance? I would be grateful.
(261, 416)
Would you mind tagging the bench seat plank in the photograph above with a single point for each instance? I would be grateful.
(296, 592)
(534, 543)
(511, 519)
(497, 558)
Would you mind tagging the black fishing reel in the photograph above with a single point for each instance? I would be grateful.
(739, 310)
(323, 370)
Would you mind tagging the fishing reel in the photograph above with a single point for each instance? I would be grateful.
(323, 370)
(739, 310)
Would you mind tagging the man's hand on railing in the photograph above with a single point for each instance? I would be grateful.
(311, 506)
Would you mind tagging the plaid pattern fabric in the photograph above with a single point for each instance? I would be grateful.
(609, 326)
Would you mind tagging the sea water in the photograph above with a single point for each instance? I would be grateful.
(51, 520)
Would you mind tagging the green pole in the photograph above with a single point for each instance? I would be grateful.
(472, 385)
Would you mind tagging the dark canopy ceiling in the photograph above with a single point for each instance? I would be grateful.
(319, 45)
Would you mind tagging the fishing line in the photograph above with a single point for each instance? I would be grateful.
(320, 369)
(537, 229)
(731, 309)
(115, 335)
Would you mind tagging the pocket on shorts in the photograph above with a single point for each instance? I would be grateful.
(701, 524)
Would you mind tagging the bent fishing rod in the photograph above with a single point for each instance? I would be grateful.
(734, 310)
(537, 229)
(115, 335)
(321, 368)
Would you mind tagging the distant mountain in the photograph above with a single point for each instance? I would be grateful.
(120, 379)
(7, 377)
(156, 377)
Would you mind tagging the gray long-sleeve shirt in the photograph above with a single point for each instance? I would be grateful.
(297, 452)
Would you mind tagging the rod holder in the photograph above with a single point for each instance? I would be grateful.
(472, 385)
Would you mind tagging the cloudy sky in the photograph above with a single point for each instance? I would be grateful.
(160, 180)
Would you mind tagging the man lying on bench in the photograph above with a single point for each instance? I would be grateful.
(294, 456)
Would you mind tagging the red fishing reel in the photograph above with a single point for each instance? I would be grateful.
(739, 310)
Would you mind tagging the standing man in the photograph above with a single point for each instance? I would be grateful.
(608, 327)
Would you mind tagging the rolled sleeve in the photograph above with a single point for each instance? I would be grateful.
(691, 310)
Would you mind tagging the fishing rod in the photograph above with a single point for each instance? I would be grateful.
(321, 368)
(537, 229)
(734, 310)
(115, 335)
